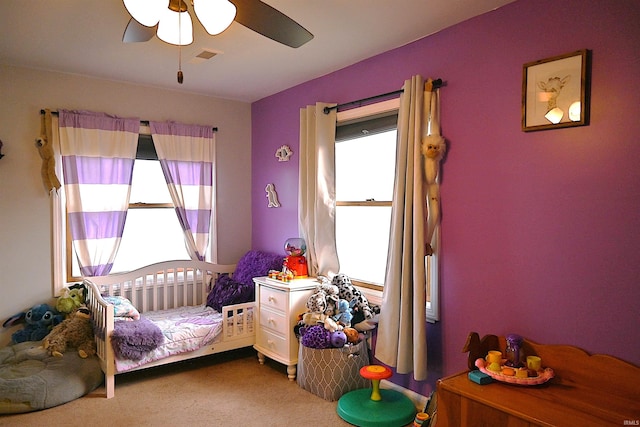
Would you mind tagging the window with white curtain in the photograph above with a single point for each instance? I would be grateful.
(365, 158)
(365, 163)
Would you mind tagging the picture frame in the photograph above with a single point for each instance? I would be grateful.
(555, 92)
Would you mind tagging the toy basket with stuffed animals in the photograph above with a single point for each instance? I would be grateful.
(331, 372)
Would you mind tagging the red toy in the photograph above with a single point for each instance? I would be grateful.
(296, 262)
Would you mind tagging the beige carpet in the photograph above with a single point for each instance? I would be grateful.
(230, 389)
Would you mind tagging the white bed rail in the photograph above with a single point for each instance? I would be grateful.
(162, 286)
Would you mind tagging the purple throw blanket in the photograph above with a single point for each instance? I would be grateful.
(133, 339)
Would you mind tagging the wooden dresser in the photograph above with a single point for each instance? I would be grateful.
(279, 305)
(587, 390)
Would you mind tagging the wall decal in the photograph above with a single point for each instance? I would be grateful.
(283, 153)
(272, 196)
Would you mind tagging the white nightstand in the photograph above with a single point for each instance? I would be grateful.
(279, 305)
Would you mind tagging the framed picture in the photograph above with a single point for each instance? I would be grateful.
(555, 92)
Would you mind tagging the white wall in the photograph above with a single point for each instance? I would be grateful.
(25, 220)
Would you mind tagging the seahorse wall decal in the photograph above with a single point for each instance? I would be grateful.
(272, 196)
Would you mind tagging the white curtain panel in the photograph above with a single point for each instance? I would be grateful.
(317, 194)
(187, 157)
(402, 337)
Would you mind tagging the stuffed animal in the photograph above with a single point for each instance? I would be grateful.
(315, 337)
(324, 299)
(331, 325)
(45, 149)
(75, 332)
(433, 148)
(70, 299)
(332, 307)
(311, 318)
(317, 303)
(361, 310)
(338, 339)
(40, 319)
(343, 315)
(352, 334)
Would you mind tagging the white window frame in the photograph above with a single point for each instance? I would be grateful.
(362, 114)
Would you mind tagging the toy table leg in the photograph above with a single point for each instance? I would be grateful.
(375, 390)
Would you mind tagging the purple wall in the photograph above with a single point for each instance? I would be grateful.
(541, 230)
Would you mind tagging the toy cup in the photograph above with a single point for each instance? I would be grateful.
(494, 366)
(494, 356)
(534, 363)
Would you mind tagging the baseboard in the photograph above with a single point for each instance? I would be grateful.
(418, 400)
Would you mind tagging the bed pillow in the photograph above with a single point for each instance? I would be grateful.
(132, 340)
(240, 288)
(228, 292)
(122, 308)
(255, 264)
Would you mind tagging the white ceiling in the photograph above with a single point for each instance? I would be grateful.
(85, 37)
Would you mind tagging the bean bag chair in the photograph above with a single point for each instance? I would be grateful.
(31, 380)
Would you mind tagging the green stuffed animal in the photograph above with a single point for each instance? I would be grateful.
(70, 299)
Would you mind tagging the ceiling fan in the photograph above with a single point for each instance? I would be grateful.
(171, 22)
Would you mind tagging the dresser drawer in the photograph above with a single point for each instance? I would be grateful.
(273, 320)
(272, 342)
(273, 298)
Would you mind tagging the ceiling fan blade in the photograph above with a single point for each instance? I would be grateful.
(136, 32)
(264, 19)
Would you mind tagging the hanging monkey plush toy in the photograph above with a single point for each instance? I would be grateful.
(43, 142)
(433, 149)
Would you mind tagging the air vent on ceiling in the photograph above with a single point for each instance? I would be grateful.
(204, 55)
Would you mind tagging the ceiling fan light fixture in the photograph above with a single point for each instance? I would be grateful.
(215, 15)
(175, 28)
(146, 12)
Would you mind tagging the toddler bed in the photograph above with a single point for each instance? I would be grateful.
(157, 315)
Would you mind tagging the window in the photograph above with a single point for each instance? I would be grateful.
(152, 232)
(365, 156)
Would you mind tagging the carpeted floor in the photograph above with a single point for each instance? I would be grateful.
(230, 389)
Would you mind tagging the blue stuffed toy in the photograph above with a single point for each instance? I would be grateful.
(40, 319)
(343, 315)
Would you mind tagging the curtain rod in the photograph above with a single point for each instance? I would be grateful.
(142, 122)
(437, 84)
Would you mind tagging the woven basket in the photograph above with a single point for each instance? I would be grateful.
(330, 373)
